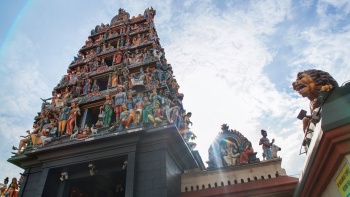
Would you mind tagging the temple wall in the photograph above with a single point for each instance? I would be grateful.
(332, 189)
(199, 180)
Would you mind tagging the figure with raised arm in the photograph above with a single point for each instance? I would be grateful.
(25, 140)
(266, 145)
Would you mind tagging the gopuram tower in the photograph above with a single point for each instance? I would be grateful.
(116, 126)
(113, 124)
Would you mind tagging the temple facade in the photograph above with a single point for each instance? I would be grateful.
(116, 126)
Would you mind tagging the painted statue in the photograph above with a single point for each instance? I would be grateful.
(157, 116)
(13, 188)
(114, 80)
(146, 111)
(308, 84)
(230, 154)
(72, 119)
(120, 99)
(3, 187)
(169, 108)
(130, 106)
(139, 105)
(26, 139)
(125, 118)
(118, 57)
(248, 149)
(49, 133)
(62, 119)
(266, 145)
(107, 111)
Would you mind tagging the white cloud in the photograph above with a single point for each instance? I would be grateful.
(21, 87)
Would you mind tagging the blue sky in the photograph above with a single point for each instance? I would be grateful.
(234, 61)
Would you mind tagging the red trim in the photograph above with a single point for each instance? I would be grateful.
(334, 145)
(283, 185)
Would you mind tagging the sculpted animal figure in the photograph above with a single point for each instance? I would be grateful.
(309, 83)
(74, 135)
(93, 130)
(274, 150)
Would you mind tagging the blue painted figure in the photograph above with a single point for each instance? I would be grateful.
(266, 145)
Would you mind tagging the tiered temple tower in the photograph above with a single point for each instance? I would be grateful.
(112, 126)
(116, 126)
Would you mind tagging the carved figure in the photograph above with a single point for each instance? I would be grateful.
(274, 150)
(122, 42)
(13, 188)
(71, 121)
(146, 111)
(186, 122)
(114, 79)
(87, 87)
(178, 102)
(93, 130)
(169, 108)
(48, 134)
(26, 139)
(3, 187)
(62, 120)
(266, 145)
(138, 80)
(120, 99)
(230, 153)
(139, 105)
(248, 149)
(310, 82)
(118, 57)
(74, 135)
(107, 111)
(157, 116)
(125, 118)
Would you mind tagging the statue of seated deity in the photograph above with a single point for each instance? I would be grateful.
(231, 155)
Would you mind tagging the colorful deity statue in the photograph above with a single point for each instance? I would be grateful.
(114, 80)
(146, 111)
(130, 106)
(13, 188)
(107, 111)
(118, 57)
(169, 108)
(72, 119)
(139, 105)
(87, 87)
(64, 113)
(178, 102)
(155, 98)
(248, 149)
(26, 139)
(120, 99)
(266, 145)
(49, 133)
(230, 154)
(157, 116)
(125, 118)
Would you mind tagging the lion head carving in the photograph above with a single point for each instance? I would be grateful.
(310, 82)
